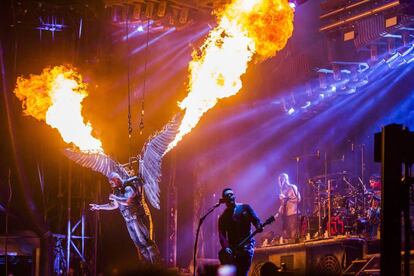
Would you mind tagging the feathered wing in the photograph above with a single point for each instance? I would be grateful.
(150, 160)
(98, 162)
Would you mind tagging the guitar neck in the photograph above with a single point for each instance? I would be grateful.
(269, 221)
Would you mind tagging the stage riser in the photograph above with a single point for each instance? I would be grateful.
(314, 258)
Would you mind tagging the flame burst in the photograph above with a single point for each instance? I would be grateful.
(55, 96)
(245, 28)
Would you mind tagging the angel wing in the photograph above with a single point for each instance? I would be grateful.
(150, 160)
(98, 162)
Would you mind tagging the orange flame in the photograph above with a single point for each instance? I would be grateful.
(55, 96)
(245, 28)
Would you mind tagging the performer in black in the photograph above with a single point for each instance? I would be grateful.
(126, 197)
(234, 225)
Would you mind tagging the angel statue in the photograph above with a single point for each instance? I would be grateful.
(127, 190)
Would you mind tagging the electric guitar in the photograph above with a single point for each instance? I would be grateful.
(227, 258)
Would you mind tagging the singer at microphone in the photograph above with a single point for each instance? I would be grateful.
(234, 225)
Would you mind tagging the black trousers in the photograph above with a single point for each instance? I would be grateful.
(243, 261)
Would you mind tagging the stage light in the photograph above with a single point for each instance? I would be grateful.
(124, 13)
(183, 16)
(307, 104)
(349, 35)
(136, 12)
(292, 5)
(374, 52)
(140, 28)
(322, 80)
(291, 111)
(51, 26)
(390, 22)
(409, 60)
(116, 14)
(349, 91)
(149, 9)
(391, 45)
(162, 8)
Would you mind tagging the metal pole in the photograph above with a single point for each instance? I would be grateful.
(297, 202)
(363, 163)
(83, 219)
(363, 178)
(326, 178)
(7, 224)
(69, 226)
(97, 225)
(329, 208)
(172, 215)
(319, 210)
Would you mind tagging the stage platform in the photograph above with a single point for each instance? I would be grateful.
(330, 256)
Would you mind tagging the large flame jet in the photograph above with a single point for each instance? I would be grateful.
(245, 28)
(55, 97)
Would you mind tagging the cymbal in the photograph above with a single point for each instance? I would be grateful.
(335, 174)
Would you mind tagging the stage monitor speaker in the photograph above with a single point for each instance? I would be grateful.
(319, 257)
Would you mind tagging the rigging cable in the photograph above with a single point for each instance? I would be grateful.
(141, 128)
(128, 85)
(141, 123)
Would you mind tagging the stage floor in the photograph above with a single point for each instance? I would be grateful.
(318, 256)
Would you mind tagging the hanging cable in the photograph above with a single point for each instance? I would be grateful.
(141, 123)
(128, 82)
(141, 128)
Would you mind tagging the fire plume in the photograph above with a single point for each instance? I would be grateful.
(245, 28)
(55, 96)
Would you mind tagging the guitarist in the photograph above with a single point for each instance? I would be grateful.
(289, 197)
(234, 225)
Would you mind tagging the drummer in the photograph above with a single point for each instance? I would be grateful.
(375, 185)
(374, 205)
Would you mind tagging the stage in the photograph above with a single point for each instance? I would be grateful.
(159, 132)
(314, 257)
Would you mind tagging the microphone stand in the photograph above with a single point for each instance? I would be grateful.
(298, 158)
(7, 223)
(200, 222)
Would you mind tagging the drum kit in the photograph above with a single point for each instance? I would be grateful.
(342, 205)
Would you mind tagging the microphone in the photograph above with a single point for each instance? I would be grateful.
(222, 200)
